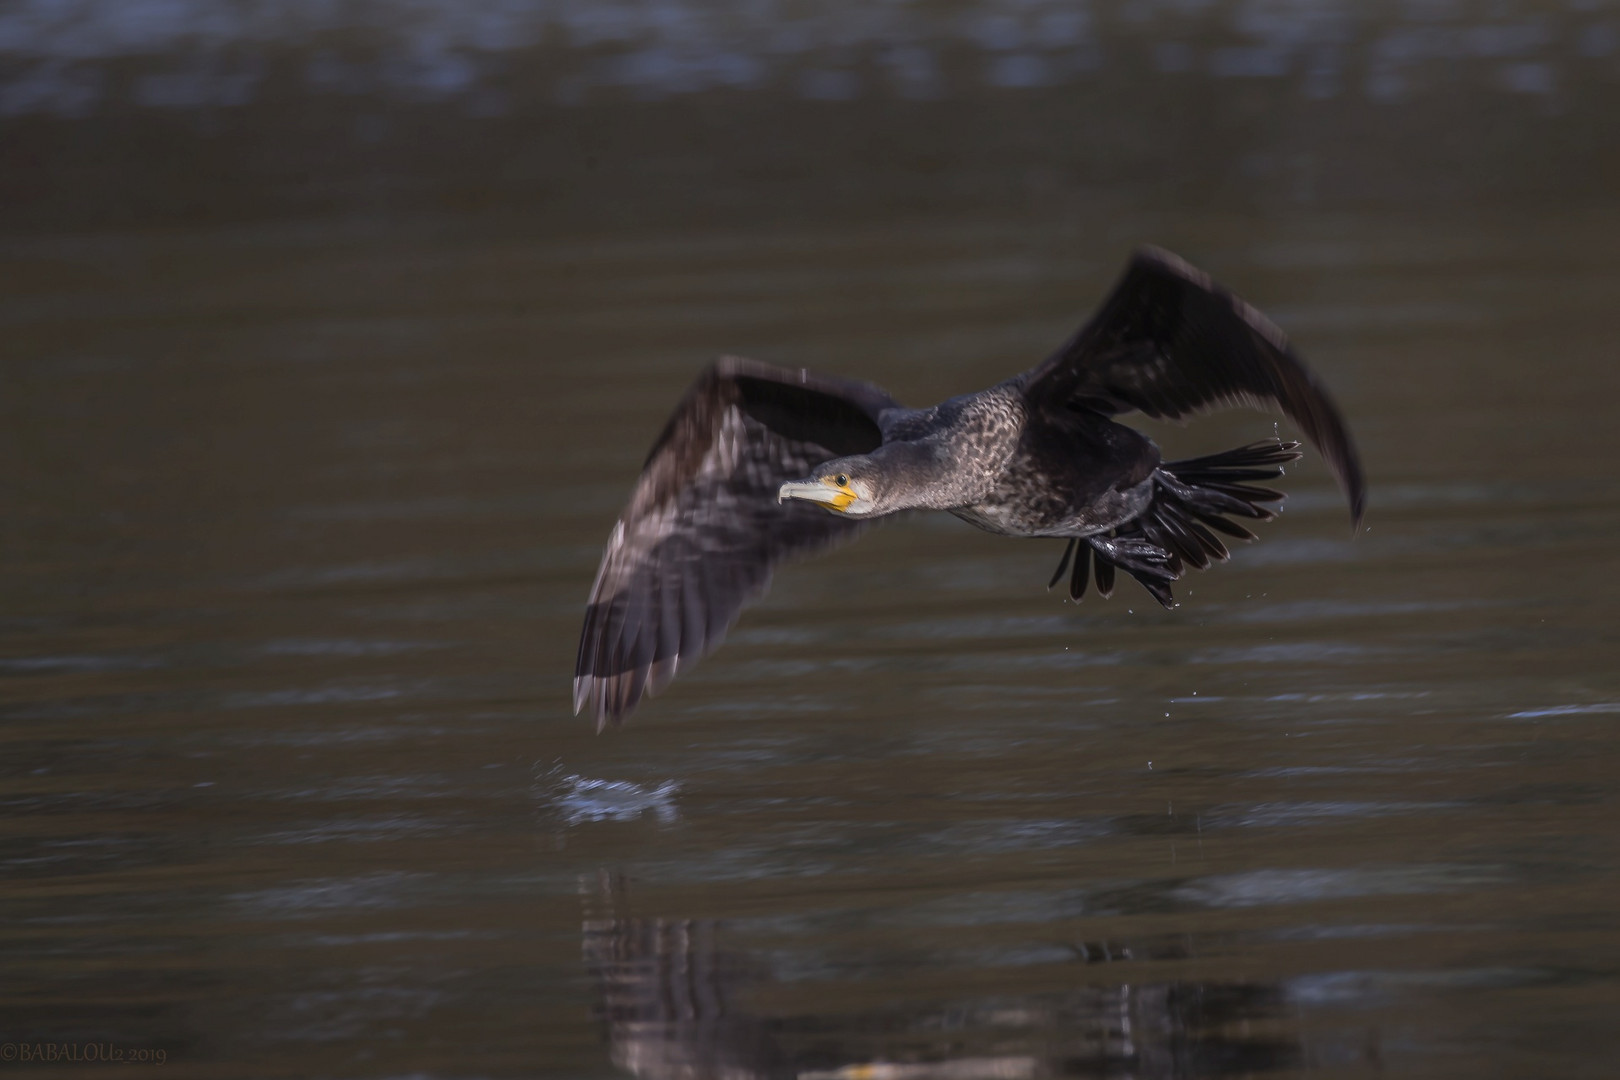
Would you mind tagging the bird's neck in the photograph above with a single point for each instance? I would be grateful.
(920, 475)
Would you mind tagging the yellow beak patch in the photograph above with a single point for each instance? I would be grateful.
(841, 498)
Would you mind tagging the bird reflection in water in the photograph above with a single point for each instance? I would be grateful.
(675, 1004)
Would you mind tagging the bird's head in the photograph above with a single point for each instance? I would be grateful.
(895, 476)
(848, 485)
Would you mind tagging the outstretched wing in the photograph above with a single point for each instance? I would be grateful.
(703, 529)
(1169, 341)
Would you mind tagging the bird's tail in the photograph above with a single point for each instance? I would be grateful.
(1191, 503)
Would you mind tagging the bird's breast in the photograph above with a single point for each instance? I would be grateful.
(1033, 505)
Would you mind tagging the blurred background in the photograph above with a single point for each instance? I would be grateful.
(626, 115)
(333, 334)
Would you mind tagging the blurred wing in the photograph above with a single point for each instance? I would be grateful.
(1169, 342)
(703, 529)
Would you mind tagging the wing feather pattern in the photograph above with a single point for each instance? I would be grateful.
(703, 530)
(1169, 342)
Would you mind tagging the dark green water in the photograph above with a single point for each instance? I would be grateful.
(300, 512)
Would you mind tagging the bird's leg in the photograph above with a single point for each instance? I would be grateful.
(1063, 564)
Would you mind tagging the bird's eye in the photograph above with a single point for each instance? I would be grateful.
(841, 480)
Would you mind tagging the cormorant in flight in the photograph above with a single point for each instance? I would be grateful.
(759, 464)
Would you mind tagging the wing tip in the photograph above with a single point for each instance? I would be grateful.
(1154, 255)
(1344, 461)
(591, 691)
(1358, 505)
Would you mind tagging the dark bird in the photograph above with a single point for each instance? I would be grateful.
(759, 464)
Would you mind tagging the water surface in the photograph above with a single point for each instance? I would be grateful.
(300, 531)
(318, 403)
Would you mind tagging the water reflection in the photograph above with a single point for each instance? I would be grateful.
(679, 1003)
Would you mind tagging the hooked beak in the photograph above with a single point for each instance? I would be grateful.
(817, 491)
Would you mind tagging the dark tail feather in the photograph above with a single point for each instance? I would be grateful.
(1063, 564)
(1230, 528)
(1190, 498)
(1082, 571)
(1105, 574)
(1257, 461)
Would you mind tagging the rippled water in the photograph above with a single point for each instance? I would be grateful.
(299, 528)
(335, 334)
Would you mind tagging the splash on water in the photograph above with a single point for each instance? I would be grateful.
(579, 799)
